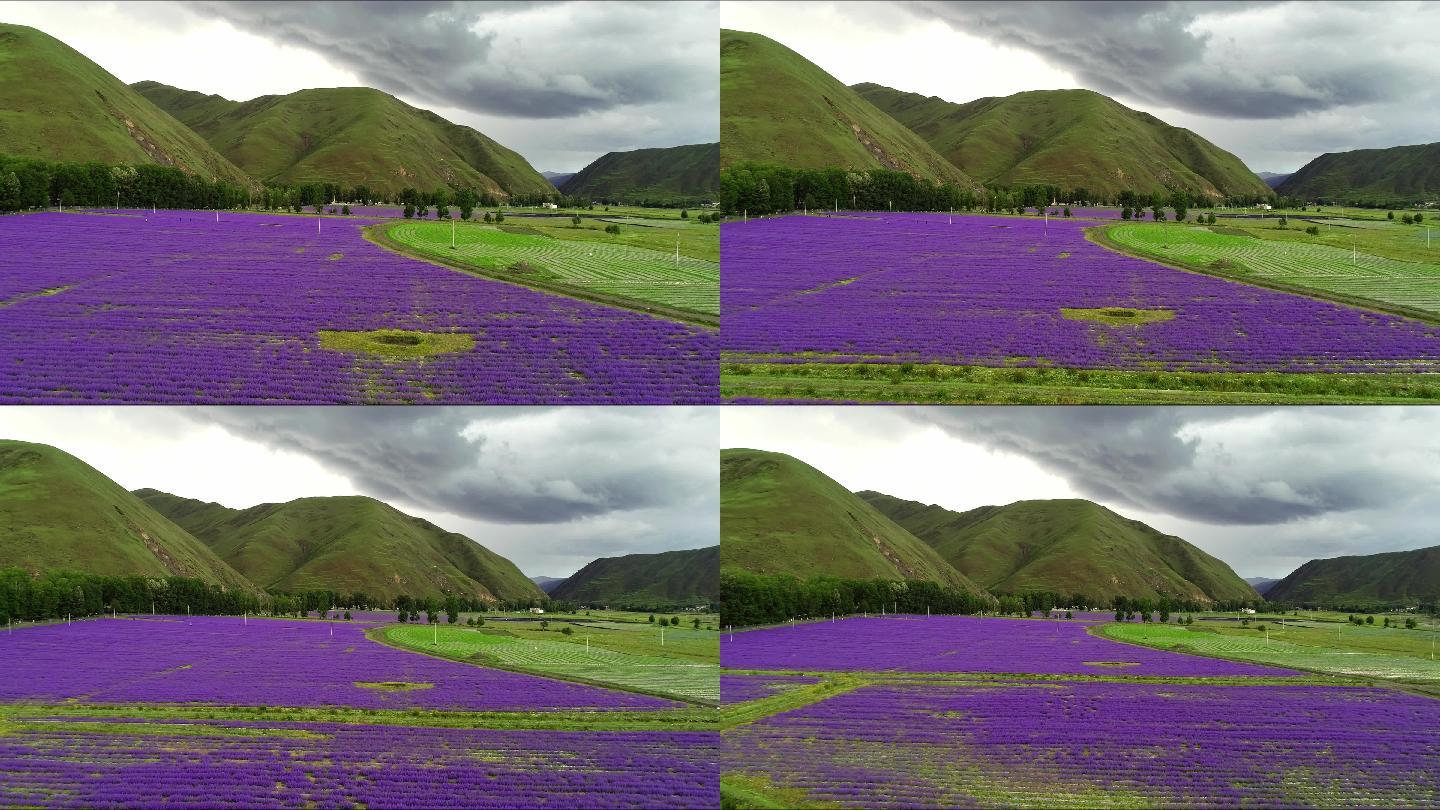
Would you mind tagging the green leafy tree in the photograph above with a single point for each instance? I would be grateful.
(409, 211)
(651, 619)
(674, 621)
(575, 221)
(566, 630)
(10, 192)
(1125, 213)
(1181, 203)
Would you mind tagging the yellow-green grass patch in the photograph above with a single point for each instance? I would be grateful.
(1117, 316)
(396, 342)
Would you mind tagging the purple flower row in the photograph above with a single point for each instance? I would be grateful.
(1100, 744)
(178, 308)
(963, 644)
(265, 662)
(990, 291)
(357, 766)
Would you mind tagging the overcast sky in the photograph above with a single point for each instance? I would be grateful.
(560, 83)
(1275, 83)
(549, 488)
(1265, 490)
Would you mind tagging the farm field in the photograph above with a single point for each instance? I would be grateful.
(277, 713)
(694, 677)
(583, 260)
(881, 307)
(1300, 261)
(815, 717)
(176, 307)
(1392, 653)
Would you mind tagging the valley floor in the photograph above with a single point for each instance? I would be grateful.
(939, 308)
(946, 711)
(140, 711)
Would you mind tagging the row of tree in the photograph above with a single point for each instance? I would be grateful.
(31, 183)
(758, 189)
(748, 599)
(57, 594)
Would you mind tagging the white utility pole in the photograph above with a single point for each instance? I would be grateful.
(677, 252)
(452, 234)
(662, 635)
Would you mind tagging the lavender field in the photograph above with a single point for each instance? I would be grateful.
(870, 296)
(175, 307)
(951, 711)
(284, 713)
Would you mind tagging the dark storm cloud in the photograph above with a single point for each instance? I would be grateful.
(1221, 59)
(570, 59)
(1220, 466)
(504, 465)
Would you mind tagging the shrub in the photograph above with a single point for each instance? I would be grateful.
(566, 630)
(1313, 230)
(345, 210)
(612, 229)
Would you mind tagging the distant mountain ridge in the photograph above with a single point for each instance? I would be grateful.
(1066, 546)
(557, 179)
(1070, 138)
(777, 107)
(349, 544)
(691, 171)
(681, 577)
(547, 584)
(1390, 577)
(779, 515)
(59, 513)
(1406, 172)
(1261, 584)
(1271, 178)
(58, 105)
(348, 135)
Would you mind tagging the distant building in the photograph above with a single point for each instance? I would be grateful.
(549, 205)
(542, 610)
(1263, 206)
(1247, 610)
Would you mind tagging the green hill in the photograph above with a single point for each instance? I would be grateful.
(1395, 577)
(348, 544)
(1406, 172)
(59, 106)
(351, 136)
(1069, 138)
(1065, 546)
(776, 107)
(59, 513)
(687, 577)
(780, 515)
(679, 172)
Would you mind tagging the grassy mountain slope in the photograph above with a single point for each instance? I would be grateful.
(1065, 546)
(778, 107)
(351, 136)
(349, 544)
(1391, 577)
(780, 515)
(57, 512)
(690, 576)
(678, 171)
(1071, 138)
(1411, 172)
(57, 105)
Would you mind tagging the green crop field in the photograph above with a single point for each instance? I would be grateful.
(1331, 647)
(1326, 265)
(685, 678)
(583, 259)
